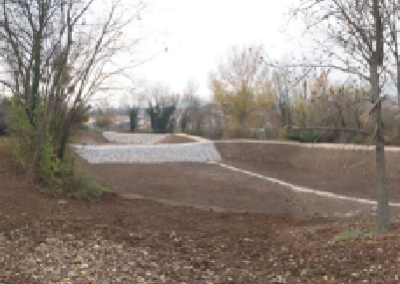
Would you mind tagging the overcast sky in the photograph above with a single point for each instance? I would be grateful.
(199, 32)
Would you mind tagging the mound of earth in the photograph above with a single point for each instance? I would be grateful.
(176, 139)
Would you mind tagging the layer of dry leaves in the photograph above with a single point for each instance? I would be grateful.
(43, 240)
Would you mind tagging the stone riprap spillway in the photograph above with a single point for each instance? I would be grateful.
(126, 138)
(162, 153)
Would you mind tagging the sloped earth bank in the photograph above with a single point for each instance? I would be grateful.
(90, 138)
(345, 172)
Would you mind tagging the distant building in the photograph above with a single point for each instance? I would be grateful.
(122, 122)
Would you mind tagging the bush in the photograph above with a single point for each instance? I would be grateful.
(104, 121)
(84, 118)
(52, 173)
(88, 188)
(306, 138)
(26, 134)
(282, 134)
(359, 140)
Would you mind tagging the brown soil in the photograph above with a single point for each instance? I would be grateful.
(90, 138)
(97, 138)
(175, 139)
(27, 213)
(213, 187)
(258, 247)
(346, 172)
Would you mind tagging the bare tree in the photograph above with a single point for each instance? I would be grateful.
(392, 12)
(354, 44)
(192, 113)
(58, 54)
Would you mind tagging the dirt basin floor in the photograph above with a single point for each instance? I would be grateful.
(213, 187)
(345, 172)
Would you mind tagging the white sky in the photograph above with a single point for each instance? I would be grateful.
(199, 32)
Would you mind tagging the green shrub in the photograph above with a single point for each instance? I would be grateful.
(307, 138)
(50, 165)
(25, 140)
(282, 134)
(356, 140)
(104, 121)
(354, 233)
(88, 188)
(52, 173)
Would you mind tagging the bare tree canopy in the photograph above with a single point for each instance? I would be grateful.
(57, 54)
(351, 36)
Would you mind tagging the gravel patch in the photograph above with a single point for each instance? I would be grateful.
(191, 152)
(128, 138)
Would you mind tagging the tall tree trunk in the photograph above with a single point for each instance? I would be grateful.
(396, 56)
(41, 137)
(36, 75)
(63, 143)
(36, 154)
(398, 91)
(383, 211)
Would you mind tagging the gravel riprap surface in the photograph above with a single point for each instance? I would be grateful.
(190, 152)
(133, 138)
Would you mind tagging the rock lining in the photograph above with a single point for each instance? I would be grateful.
(128, 138)
(202, 152)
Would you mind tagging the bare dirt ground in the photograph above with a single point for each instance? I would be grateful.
(97, 138)
(345, 172)
(176, 139)
(283, 238)
(90, 138)
(231, 246)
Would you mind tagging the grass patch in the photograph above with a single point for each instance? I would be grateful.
(354, 233)
(3, 140)
(96, 129)
(89, 188)
(82, 184)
